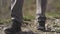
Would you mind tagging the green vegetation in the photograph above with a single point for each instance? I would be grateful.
(5, 20)
(54, 9)
(28, 18)
(54, 15)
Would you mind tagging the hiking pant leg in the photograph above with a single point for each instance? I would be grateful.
(42, 16)
(41, 8)
(17, 10)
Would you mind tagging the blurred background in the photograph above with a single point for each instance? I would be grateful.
(29, 9)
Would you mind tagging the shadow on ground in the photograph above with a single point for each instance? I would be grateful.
(29, 32)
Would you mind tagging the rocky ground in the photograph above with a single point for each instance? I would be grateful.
(29, 27)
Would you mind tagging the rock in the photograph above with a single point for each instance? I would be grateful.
(53, 25)
(57, 22)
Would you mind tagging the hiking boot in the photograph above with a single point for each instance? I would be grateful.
(16, 27)
(41, 21)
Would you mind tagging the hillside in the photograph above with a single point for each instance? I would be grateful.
(29, 13)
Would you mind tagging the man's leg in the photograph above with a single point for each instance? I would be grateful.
(41, 8)
(16, 17)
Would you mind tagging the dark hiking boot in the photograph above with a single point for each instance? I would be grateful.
(16, 27)
(41, 26)
(41, 21)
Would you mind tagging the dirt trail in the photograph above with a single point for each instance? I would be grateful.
(29, 28)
